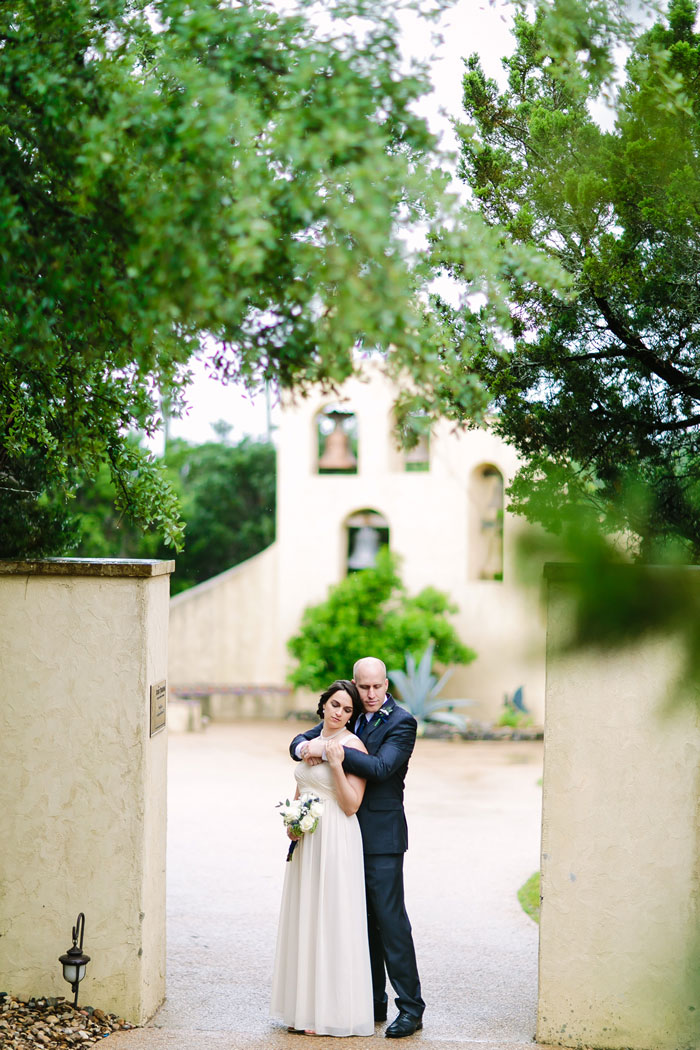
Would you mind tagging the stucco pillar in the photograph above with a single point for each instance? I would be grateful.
(83, 781)
(619, 961)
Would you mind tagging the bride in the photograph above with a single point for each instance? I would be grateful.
(321, 981)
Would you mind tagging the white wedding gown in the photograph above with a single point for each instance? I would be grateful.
(321, 980)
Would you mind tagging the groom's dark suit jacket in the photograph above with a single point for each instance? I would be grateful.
(381, 815)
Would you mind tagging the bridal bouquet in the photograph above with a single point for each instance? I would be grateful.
(301, 815)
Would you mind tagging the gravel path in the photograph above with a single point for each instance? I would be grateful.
(474, 823)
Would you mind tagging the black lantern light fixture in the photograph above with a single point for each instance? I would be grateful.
(75, 961)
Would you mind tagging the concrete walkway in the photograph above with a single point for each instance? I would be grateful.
(474, 824)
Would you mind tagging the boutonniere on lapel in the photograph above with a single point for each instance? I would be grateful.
(382, 715)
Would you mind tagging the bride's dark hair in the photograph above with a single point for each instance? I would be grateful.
(347, 687)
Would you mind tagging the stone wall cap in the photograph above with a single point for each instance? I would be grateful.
(569, 571)
(142, 567)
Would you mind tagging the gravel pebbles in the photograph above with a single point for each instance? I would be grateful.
(52, 1023)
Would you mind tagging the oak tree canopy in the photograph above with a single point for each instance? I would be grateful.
(187, 173)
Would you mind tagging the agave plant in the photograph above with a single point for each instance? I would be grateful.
(419, 689)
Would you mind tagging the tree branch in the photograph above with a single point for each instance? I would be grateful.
(22, 492)
(599, 355)
(677, 424)
(637, 349)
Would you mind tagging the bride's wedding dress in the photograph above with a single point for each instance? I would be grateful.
(321, 980)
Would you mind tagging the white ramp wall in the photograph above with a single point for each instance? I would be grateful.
(83, 784)
(619, 933)
(226, 630)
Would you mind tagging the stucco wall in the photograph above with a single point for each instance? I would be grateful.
(83, 788)
(619, 961)
(227, 629)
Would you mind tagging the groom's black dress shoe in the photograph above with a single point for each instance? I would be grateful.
(379, 1012)
(403, 1025)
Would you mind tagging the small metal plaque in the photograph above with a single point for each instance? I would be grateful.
(159, 696)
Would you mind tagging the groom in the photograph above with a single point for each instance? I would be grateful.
(388, 732)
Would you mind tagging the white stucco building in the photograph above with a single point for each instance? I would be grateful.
(343, 486)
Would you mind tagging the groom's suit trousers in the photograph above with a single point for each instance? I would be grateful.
(389, 929)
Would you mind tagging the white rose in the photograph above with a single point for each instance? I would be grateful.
(307, 823)
(316, 808)
(294, 811)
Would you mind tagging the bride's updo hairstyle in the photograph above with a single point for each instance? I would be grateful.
(347, 687)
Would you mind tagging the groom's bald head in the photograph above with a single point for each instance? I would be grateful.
(369, 675)
(369, 665)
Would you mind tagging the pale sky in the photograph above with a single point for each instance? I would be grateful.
(471, 25)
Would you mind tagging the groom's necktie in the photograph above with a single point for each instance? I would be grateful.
(361, 727)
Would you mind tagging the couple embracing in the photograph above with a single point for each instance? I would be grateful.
(343, 923)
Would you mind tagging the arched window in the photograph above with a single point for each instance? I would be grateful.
(367, 532)
(337, 440)
(486, 528)
(416, 458)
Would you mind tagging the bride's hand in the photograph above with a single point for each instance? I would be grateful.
(335, 753)
(311, 751)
